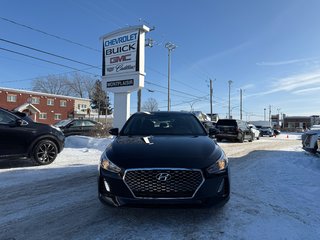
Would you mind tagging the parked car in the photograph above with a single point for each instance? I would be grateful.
(21, 137)
(204, 119)
(266, 131)
(309, 140)
(276, 132)
(234, 129)
(85, 127)
(163, 158)
(254, 130)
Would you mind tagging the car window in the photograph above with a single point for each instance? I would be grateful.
(62, 123)
(227, 123)
(77, 123)
(88, 123)
(6, 118)
(163, 124)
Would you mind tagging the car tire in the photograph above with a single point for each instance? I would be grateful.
(44, 152)
(315, 149)
(241, 140)
(251, 139)
(258, 137)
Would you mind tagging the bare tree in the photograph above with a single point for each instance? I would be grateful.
(54, 84)
(80, 85)
(151, 105)
(76, 85)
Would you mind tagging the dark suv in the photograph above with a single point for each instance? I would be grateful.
(21, 137)
(233, 129)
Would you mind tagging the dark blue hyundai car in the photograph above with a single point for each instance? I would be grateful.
(163, 158)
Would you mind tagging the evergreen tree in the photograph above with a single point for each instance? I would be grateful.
(99, 99)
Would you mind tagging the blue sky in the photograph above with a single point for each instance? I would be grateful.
(270, 49)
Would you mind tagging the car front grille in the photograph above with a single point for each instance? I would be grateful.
(163, 183)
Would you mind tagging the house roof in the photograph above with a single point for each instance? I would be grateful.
(27, 106)
(41, 93)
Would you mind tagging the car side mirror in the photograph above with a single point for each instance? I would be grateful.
(213, 131)
(20, 122)
(114, 131)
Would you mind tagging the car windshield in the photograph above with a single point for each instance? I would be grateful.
(163, 124)
(62, 123)
(227, 122)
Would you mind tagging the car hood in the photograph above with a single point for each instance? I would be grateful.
(163, 152)
(311, 132)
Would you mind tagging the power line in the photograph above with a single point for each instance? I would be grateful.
(47, 61)
(172, 89)
(48, 53)
(175, 80)
(185, 102)
(48, 34)
(30, 79)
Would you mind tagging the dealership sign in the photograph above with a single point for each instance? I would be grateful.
(123, 59)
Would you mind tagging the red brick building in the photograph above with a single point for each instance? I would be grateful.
(44, 107)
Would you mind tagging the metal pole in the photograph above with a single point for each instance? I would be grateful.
(211, 91)
(229, 98)
(240, 104)
(264, 114)
(169, 104)
(270, 115)
(170, 46)
(139, 101)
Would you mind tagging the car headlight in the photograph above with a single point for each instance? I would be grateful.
(219, 166)
(56, 128)
(106, 164)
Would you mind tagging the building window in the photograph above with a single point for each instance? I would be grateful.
(35, 100)
(57, 116)
(50, 102)
(82, 107)
(11, 98)
(43, 116)
(63, 103)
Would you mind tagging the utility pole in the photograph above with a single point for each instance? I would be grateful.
(211, 93)
(139, 101)
(240, 104)
(229, 116)
(270, 115)
(264, 114)
(170, 46)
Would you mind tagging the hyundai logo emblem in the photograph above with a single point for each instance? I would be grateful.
(163, 177)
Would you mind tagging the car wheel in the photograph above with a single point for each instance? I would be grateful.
(241, 140)
(251, 139)
(45, 152)
(314, 150)
(258, 137)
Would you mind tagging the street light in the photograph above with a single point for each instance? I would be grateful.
(170, 46)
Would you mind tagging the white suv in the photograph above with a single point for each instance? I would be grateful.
(255, 131)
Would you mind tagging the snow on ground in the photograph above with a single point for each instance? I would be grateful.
(79, 151)
(274, 195)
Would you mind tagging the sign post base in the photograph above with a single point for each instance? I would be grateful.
(121, 109)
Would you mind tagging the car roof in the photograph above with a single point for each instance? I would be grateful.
(159, 113)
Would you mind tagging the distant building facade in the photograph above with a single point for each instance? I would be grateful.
(300, 122)
(44, 107)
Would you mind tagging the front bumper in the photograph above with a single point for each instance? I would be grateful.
(113, 191)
